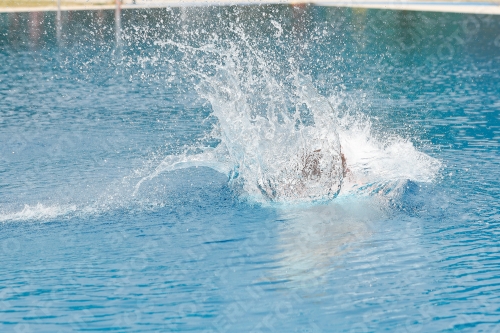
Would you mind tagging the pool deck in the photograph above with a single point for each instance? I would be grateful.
(491, 7)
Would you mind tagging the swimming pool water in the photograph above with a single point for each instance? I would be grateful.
(85, 117)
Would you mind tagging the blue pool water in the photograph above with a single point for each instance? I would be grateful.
(164, 179)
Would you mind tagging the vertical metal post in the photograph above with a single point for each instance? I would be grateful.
(58, 22)
(118, 22)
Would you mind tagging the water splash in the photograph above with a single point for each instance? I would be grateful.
(378, 164)
(281, 140)
(38, 211)
(278, 139)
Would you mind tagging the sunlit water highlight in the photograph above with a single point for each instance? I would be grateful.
(249, 169)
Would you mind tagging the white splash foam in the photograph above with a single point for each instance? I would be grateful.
(38, 212)
(281, 140)
(373, 161)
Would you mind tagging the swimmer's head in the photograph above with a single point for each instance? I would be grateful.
(312, 175)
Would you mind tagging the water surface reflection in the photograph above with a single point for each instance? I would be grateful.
(313, 240)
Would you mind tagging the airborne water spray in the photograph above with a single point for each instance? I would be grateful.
(276, 132)
(279, 137)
